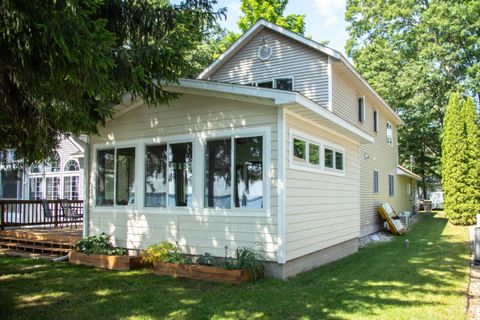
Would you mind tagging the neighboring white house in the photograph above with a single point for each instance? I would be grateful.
(280, 142)
(60, 177)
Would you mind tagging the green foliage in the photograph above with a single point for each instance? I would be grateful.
(460, 190)
(206, 259)
(99, 245)
(163, 251)
(246, 258)
(415, 54)
(65, 64)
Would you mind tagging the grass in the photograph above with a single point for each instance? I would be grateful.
(385, 281)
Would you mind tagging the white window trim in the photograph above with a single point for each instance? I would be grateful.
(198, 140)
(274, 86)
(364, 107)
(390, 143)
(306, 166)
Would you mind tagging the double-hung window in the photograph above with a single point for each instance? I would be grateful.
(116, 177)
(234, 169)
(168, 175)
(389, 134)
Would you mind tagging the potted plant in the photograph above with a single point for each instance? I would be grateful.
(97, 251)
(167, 259)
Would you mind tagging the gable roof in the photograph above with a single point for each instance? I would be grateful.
(337, 56)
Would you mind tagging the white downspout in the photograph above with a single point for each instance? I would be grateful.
(86, 188)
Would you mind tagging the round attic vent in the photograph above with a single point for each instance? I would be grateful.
(265, 51)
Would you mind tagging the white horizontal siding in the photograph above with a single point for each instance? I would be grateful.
(289, 58)
(322, 210)
(195, 233)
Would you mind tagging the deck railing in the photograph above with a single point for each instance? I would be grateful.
(53, 213)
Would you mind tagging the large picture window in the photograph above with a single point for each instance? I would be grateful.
(105, 179)
(180, 175)
(156, 176)
(247, 166)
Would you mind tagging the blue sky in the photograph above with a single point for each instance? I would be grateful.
(324, 19)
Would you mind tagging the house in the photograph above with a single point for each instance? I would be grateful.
(60, 177)
(280, 142)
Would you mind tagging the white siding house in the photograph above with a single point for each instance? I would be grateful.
(266, 148)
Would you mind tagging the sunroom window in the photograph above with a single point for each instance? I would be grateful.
(125, 176)
(156, 176)
(180, 175)
(247, 168)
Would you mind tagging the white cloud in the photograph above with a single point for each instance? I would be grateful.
(326, 8)
(332, 21)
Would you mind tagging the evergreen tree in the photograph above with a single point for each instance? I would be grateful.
(454, 166)
(472, 179)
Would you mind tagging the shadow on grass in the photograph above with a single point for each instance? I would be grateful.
(428, 274)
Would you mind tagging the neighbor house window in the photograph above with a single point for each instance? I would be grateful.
(71, 190)
(391, 185)
(53, 163)
(375, 121)
(106, 177)
(375, 181)
(277, 83)
(389, 134)
(180, 175)
(156, 176)
(125, 176)
(72, 165)
(246, 162)
(361, 109)
(36, 188)
(53, 188)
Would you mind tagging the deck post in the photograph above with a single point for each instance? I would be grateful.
(2, 218)
(56, 213)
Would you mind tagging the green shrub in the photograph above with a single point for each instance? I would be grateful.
(163, 251)
(99, 245)
(246, 258)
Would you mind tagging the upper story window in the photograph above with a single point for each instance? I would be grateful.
(285, 83)
(361, 109)
(72, 165)
(53, 163)
(389, 134)
(375, 121)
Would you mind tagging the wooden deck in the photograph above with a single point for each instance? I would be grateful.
(45, 234)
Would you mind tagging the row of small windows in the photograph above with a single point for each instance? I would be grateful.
(53, 165)
(316, 155)
(50, 188)
(233, 174)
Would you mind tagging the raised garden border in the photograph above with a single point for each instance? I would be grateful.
(105, 261)
(201, 272)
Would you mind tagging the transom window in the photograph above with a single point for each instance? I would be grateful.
(311, 153)
(72, 165)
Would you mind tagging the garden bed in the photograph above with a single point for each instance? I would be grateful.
(105, 261)
(200, 272)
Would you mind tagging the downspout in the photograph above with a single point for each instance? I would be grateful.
(86, 188)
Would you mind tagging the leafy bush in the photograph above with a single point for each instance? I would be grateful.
(99, 245)
(246, 258)
(163, 251)
(206, 260)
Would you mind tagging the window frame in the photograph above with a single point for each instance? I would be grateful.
(361, 113)
(198, 175)
(274, 84)
(391, 185)
(375, 120)
(389, 138)
(306, 165)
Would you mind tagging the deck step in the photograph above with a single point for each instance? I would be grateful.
(43, 243)
(33, 248)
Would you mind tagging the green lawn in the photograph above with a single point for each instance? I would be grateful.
(387, 281)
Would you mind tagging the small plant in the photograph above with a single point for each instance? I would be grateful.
(99, 245)
(163, 251)
(246, 258)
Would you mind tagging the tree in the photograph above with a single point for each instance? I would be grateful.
(472, 178)
(65, 63)
(415, 54)
(455, 163)
(269, 10)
